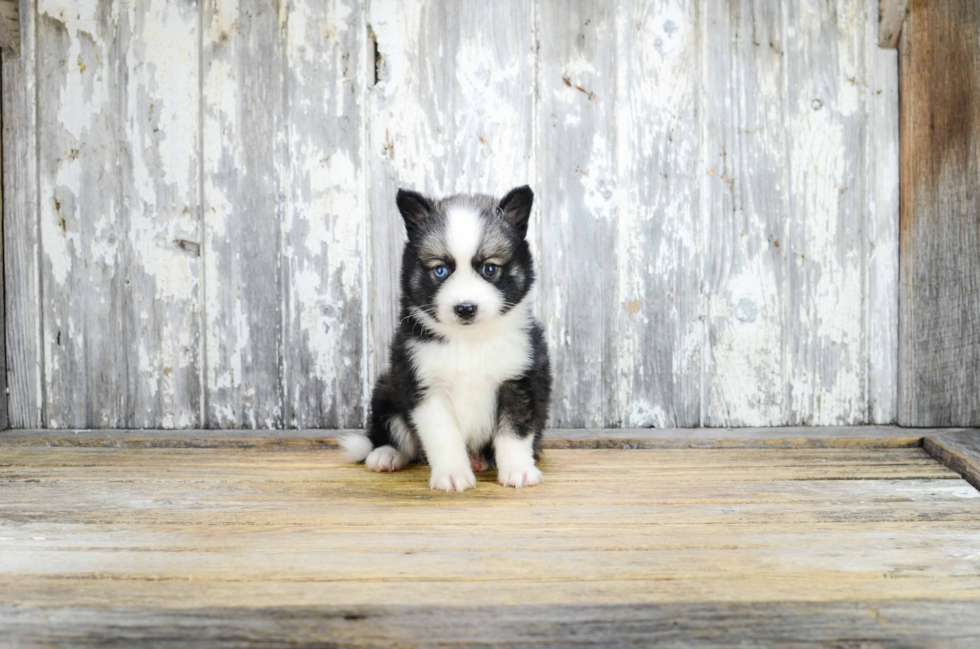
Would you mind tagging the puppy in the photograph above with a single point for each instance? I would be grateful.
(469, 381)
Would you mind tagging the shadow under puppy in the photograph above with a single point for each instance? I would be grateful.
(469, 380)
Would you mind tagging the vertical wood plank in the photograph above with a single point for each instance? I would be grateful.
(746, 208)
(324, 70)
(939, 362)
(21, 237)
(119, 223)
(577, 236)
(4, 417)
(881, 170)
(242, 98)
(651, 372)
(83, 265)
(825, 334)
(617, 158)
(451, 112)
(159, 231)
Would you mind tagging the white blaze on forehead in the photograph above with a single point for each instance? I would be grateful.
(463, 235)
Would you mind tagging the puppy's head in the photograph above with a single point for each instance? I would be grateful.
(466, 262)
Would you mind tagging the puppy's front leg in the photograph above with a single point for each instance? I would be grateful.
(515, 458)
(443, 445)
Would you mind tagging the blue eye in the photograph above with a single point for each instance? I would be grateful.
(489, 270)
(441, 272)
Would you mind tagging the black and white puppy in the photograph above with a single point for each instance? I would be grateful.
(469, 380)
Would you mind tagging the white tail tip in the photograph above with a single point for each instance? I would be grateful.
(356, 446)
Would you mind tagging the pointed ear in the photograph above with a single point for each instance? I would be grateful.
(515, 207)
(415, 209)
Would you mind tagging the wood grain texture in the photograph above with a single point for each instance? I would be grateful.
(4, 417)
(891, 16)
(827, 223)
(576, 232)
(645, 193)
(450, 112)
(86, 334)
(616, 160)
(959, 450)
(882, 173)
(715, 225)
(696, 624)
(745, 198)
(159, 250)
(940, 232)
(194, 537)
(242, 103)
(325, 72)
(9, 29)
(636, 438)
(119, 221)
(800, 168)
(21, 236)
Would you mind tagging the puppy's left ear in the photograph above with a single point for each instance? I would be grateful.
(415, 209)
(515, 207)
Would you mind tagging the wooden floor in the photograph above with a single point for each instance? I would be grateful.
(225, 546)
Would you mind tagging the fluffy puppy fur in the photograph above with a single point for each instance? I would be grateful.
(469, 381)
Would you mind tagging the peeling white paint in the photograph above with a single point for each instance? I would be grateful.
(660, 263)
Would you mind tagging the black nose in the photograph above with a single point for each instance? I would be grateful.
(466, 311)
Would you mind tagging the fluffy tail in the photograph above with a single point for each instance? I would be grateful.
(356, 446)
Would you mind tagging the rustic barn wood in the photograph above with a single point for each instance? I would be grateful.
(881, 164)
(940, 230)
(891, 16)
(4, 417)
(915, 623)
(324, 213)
(236, 545)
(83, 299)
(242, 110)
(10, 28)
(21, 236)
(217, 244)
(645, 438)
(957, 449)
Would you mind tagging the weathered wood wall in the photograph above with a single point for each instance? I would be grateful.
(4, 419)
(201, 230)
(940, 239)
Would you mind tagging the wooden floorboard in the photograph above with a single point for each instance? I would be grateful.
(957, 449)
(636, 438)
(271, 546)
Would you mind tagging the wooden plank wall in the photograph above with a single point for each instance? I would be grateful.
(4, 418)
(940, 267)
(204, 233)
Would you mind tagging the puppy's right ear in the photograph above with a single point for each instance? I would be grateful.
(415, 209)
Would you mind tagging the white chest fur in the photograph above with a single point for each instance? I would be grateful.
(467, 369)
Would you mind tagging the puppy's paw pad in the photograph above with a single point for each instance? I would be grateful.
(452, 480)
(478, 463)
(386, 459)
(527, 477)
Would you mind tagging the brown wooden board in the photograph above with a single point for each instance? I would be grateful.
(724, 547)
(702, 624)
(940, 231)
(637, 438)
(959, 450)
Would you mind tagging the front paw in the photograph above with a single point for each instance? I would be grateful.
(459, 479)
(386, 459)
(519, 477)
